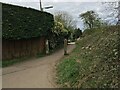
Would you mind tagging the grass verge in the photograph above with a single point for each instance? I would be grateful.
(94, 62)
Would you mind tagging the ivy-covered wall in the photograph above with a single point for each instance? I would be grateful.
(24, 23)
(24, 31)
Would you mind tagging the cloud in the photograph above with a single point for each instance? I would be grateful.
(58, 0)
(73, 8)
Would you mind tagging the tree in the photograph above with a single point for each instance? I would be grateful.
(90, 19)
(114, 7)
(59, 29)
(77, 33)
(68, 22)
(57, 36)
(66, 19)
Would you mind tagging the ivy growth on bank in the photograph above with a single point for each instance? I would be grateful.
(23, 23)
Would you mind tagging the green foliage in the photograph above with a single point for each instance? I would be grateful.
(95, 61)
(67, 21)
(59, 29)
(77, 33)
(90, 19)
(24, 23)
(6, 63)
(70, 71)
(58, 34)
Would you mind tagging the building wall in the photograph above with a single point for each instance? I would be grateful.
(20, 48)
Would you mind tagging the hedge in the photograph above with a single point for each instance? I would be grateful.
(23, 23)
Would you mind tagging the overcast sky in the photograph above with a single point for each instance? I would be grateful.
(73, 7)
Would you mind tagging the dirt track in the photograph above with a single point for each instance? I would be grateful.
(36, 73)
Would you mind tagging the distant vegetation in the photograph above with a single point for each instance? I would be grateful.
(64, 27)
(68, 22)
(57, 36)
(77, 33)
(91, 20)
(94, 62)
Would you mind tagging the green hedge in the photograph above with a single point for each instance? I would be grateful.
(23, 23)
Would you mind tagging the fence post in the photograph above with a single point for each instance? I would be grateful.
(47, 47)
(65, 46)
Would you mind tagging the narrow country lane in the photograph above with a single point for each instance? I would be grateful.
(37, 73)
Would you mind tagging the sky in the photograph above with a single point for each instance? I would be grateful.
(72, 7)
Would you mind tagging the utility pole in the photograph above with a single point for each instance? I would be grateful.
(41, 9)
(47, 42)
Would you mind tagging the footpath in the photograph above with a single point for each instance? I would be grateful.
(35, 73)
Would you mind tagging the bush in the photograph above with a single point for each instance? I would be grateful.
(94, 63)
(77, 33)
(57, 36)
(23, 23)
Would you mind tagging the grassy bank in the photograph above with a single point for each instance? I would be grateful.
(94, 62)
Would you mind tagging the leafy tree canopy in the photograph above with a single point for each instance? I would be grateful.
(90, 19)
